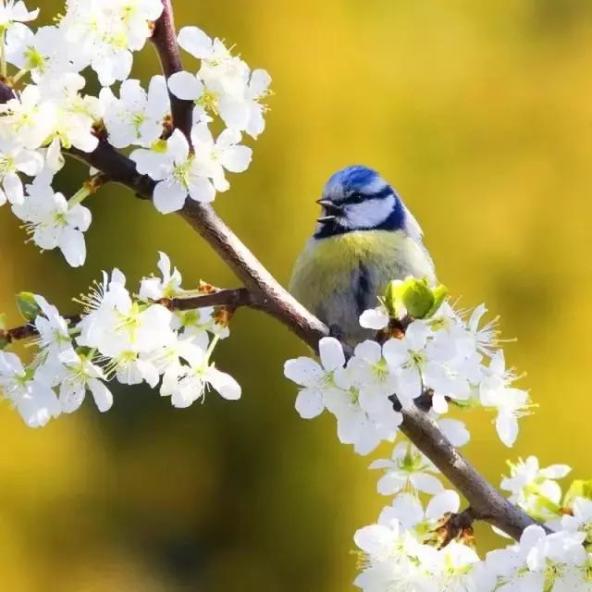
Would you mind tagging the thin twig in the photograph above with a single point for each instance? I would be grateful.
(165, 42)
(28, 331)
(229, 299)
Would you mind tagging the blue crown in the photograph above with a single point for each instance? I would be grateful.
(357, 179)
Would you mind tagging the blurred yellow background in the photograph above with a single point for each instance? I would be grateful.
(480, 113)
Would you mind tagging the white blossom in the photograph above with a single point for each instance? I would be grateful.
(362, 420)
(408, 511)
(369, 373)
(420, 365)
(196, 379)
(137, 117)
(177, 171)
(53, 223)
(125, 331)
(535, 489)
(580, 518)
(316, 380)
(224, 84)
(199, 322)
(35, 401)
(15, 159)
(77, 375)
(43, 53)
(215, 156)
(542, 562)
(28, 117)
(511, 403)
(168, 286)
(106, 32)
(365, 427)
(407, 468)
(12, 12)
(53, 329)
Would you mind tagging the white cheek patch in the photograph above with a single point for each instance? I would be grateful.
(368, 214)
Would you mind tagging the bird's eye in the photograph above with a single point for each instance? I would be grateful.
(355, 198)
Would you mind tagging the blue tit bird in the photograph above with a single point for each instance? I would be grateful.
(365, 238)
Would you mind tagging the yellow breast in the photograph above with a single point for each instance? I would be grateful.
(327, 274)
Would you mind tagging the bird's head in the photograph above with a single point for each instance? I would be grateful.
(358, 198)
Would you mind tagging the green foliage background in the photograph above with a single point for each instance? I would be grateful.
(480, 114)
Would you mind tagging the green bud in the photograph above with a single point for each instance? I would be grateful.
(417, 297)
(27, 306)
(392, 298)
(4, 342)
(414, 297)
(440, 292)
(578, 488)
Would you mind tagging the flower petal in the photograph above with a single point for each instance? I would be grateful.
(186, 86)
(169, 196)
(225, 384)
(331, 353)
(309, 403)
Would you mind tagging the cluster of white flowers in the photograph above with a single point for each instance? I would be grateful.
(49, 112)
(444, 357)
(440, 358)
(224, 86)
(130, 339)
(407, 548)
(401, 552)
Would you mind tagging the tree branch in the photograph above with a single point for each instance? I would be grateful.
(486, 502)
(117, 168)
(267, 294)
(165, 41)
(229, 299)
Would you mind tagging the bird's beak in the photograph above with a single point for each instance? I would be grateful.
(332, 210)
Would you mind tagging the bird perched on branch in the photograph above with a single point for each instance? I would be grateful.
(365, 238)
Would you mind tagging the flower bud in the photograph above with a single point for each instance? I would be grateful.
(27, 306)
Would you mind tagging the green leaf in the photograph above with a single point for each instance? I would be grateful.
(3, 326)
(27, 306)
(579, 488)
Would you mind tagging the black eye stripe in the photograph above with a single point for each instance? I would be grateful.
(355, 198)
(384, 192)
